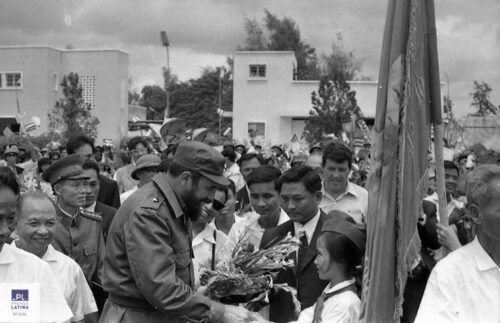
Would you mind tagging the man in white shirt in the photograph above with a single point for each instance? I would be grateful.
(36, 223)
(265, 202)
(20, 267)
(465, 285)
(338, 192)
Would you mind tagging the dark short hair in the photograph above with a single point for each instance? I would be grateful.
(135, 141)
(448, 164)
(78, 141)
(265, 174)
(164, 165)
(8, 179)
(90, 164)
(54, 153)
(338, 152)
(229, 153)
(175, 169)
(42, 162)
(304, 174)
(250, 156)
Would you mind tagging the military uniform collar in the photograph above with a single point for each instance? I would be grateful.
(174, 200)
(66, 218)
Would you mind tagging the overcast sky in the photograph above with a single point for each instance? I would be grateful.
(204, 32)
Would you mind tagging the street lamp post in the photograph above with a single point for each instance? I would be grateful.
(221, 74)
(166, 44)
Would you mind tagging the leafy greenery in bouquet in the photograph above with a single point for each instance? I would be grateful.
(248, 273)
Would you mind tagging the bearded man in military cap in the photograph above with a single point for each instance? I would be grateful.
(148, 271)
(78, 232)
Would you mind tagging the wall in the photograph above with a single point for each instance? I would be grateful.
(40, 91)
(278, 99)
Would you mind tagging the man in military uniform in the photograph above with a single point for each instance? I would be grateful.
(148, 271)
(78, 233)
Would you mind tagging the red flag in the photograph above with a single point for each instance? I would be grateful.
(407, 102)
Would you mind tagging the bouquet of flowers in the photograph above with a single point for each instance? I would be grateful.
(248, 274)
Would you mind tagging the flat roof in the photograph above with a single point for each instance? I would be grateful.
(63, 50)
(273, 52)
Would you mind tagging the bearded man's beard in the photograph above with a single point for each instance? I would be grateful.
(193, 205)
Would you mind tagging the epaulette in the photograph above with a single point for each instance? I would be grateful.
(151, 202)
(90, 215)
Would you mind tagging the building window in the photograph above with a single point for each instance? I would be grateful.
(257, 70)
(11, 80)
(88, 85)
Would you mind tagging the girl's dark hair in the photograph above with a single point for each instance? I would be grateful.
(8, 179)
(42, 162)
(343, 251)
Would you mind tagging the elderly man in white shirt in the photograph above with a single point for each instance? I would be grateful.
(338, 192)
(265, 201)
(36, 223)
(19, 268)
(465, 285)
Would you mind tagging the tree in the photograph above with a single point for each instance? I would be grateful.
(71, 115)
(340, 64)
(197, 100)
(283, 34)
(333, 105)
(481, 100)
(154, 99)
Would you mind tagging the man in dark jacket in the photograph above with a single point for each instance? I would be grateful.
(148, 271)
(300, 193)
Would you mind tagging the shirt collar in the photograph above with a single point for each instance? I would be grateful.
(339, 286)
(283, 217)
(91, 208)
(172, 197)
(350, 189)
(6, 255)
(207, 234)
(50, 254)
(309, 227)
(63, 211)
(481, 257)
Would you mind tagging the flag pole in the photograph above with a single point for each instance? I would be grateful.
(436, 115)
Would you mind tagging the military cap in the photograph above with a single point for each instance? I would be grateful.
(203, 159)
(342, 223)
(69, 167)
(146, 161)
(12, 149)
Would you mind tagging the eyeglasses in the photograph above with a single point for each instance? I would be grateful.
(11, 155)
(217, 205)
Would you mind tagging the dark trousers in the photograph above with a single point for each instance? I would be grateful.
(414, 291)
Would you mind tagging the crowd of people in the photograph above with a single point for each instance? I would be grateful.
(132, 235)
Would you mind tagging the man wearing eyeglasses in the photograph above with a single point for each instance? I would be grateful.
(78, 233)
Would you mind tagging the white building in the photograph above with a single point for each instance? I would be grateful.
(30, 78)
(268, 99)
